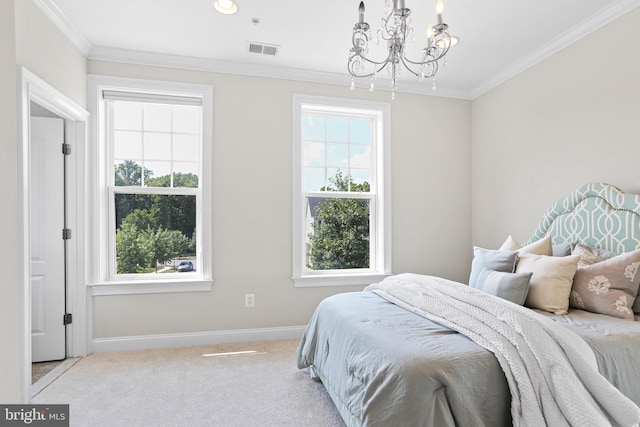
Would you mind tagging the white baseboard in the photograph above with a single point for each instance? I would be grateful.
(145, 342)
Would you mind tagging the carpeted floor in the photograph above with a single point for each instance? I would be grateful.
(257, 385)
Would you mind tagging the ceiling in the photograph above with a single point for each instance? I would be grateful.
(498, 38)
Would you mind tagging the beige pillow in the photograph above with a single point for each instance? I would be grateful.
(608, 287)
(540, 247)
(550, 284)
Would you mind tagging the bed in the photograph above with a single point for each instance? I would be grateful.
(418, 350)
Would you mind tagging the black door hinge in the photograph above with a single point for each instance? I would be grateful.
(67, 319)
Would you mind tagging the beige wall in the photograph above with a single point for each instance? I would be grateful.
(46, 52)
(568, 121)
(252, 130)
(11, 295)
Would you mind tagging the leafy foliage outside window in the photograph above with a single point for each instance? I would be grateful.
(152, 229)
(340, 237)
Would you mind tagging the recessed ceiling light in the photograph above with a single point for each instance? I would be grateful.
(226, 7)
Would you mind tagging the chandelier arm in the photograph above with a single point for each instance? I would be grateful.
(404, 62)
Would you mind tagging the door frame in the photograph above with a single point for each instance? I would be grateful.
(34, 89)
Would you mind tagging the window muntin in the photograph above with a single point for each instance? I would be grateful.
(341, 220)
(154, 150)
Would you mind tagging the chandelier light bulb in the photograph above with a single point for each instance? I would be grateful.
(439, 7)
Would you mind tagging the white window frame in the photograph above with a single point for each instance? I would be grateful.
(380, 200)
(102, 227)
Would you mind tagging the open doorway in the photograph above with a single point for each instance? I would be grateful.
(52, 226)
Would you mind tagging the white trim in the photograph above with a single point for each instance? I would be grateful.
(381, 219)
(127, 56)
(337, 280)
(64, 24)
(150, 287)
(569, 37)
(189, 339)
(35, 89)
(99, 267)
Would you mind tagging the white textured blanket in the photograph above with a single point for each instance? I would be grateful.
(551, 372)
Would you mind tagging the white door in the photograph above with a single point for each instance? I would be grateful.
(48, 292)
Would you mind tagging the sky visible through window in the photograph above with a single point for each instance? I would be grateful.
(333, 143)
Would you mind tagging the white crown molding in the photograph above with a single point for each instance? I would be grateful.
(51, 9)
(107, 54)
(570, 36)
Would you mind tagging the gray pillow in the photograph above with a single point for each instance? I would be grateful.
(504, 261)
(562, 249)
(513, 287)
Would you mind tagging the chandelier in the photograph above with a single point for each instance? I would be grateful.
(396, 30)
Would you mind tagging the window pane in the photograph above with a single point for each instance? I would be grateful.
(185, 119)
(337, 233)
(360, 131)
(360, 157)
(127, 173)
(157, 174)
(185, 147)
(157, 117)
(313, 128)
(314, 153)
(127, 116)
(313, 179)
(127, 145)
(157, 146)
(185, 175)
(337, 130)
(155, 234)
(361, 180)
(338, 155)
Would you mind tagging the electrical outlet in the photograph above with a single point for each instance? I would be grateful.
(249, 300)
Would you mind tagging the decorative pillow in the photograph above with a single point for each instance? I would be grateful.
(493, 260)
(550, 284)
(608, 287)
(561, 249)
(586, 256)
(510, 286)
(540, 247)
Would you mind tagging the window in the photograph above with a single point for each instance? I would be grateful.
(154, 192)
(341, 197)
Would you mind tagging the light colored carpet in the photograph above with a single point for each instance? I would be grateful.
(194, 386)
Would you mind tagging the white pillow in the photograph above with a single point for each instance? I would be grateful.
(540, 247)
(550, 284)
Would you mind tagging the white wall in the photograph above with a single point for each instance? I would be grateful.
(568, 121)
(252, 130)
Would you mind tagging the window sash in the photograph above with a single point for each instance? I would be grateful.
(378, 196)
(109, 99)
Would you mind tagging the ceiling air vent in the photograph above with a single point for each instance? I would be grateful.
(263, 48)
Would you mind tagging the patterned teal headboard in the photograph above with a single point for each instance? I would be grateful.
(598, 215)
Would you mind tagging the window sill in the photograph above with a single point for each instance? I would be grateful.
(150, 287)
(337, 280)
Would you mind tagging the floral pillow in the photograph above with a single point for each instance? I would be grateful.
(607, 287)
